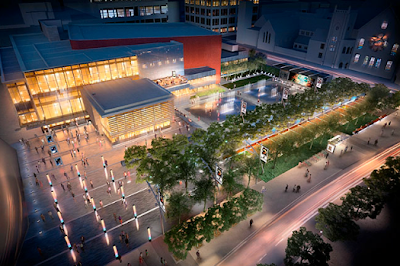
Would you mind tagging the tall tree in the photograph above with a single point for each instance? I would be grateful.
(249, 166)
(178, 204)
(336, 223)
(362, 202)
(307, 248)
(231, 183)
(203, 191)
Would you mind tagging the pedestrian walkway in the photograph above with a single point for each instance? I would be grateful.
(277, 201)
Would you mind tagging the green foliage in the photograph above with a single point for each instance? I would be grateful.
(203, 191)
(336, 223)
(353, 124)
(362, 202)
(218, 89)
(377, 97)
(178, 204)
(306, 248)
(183, 237)
(246, 81)
(231, 183)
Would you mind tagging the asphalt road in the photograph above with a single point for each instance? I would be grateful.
(268, 243)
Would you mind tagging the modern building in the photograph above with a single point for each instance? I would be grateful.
(337, 38)
(144, 11)
(126, 108)
(216, 15)
(46, 79)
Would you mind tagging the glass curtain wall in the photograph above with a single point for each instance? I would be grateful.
(22, 102)
(55, 92)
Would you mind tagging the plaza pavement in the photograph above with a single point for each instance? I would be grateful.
(276, 201)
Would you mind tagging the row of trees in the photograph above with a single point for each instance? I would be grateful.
(338, 222)
(183, 237)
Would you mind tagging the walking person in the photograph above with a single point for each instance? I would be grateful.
(91, 183)
(198, 254)
(63, 187)
(298, 189)
(294, 188)
(120, 219)
(43, 218)
(50, 214)
(369, 139)
(251, 222)
(101, 204)
(376, 142)
(286, 188)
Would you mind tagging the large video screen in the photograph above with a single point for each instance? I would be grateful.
(301, 79)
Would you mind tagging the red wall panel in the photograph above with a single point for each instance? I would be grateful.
(198, 51)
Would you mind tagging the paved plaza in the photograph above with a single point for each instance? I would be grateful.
(79, 217)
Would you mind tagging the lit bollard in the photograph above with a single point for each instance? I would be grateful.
(49, 180)
(104, 163)
(107, 240)
(84, 186)
(123, 194)
(93, 204)
(137, 224)
(79, 175)
(67, 241)
(149, 233)
(73, 255)
(134, 211)
(116, 253)
(60, 217)
(103, 225)
(113, 180)
(53, 193)
(105, 167)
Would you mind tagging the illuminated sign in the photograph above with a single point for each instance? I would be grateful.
(264, 154)
(244, 108)
(218, 174)
(301, 80)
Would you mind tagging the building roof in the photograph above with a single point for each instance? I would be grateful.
(137, 30)
(199, 72)
(35, 52)
(320, 35)
(9, 67)
(302, 39)
(123, 95)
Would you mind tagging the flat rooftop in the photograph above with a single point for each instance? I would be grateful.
(137, 30)
(35, 52)
(123, 95)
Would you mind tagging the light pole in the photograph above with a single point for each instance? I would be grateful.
(162, 218)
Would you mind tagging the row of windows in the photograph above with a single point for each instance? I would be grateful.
(214, 2)
(159, 62)
(267, 37)
(393, 51)
(215, 21)
(372, 61)
(306, 33)
(131, 12)
(347, 50)
(224, 29)
(300, 46)
(207, 12)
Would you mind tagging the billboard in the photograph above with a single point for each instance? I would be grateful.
(244, 108)
(301, 79)
(319, 82)
(285, 94)
(264, 154)
(218, 174)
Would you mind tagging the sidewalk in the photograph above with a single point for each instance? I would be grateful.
(276, 201)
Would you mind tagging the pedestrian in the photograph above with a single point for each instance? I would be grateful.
(37, 180)
(101, 204)
(345, 149)
(51, 162)
(390, 122)
(161, 260)
(63, 187)
(36, 150)
(351, 148)
(86, 202)
(75, 248)
(82, 239)
(120, 219)
(43, 218)
(50, 214)
(69, 186)
(120, 238)
(251, 222)
(140, 260)
(369, 139)
(115, 217)
(298, 188)
(126, 242)
(392, 132)
(147, 253)
(81, 246)
(91, 183)
(326, 156)
(326, 165)
(40, 251)
(72, 168)
(294, 188)
(44, 161)
(86, 160)
(73, 195)
(307, 172)
(198, 254)
(286, 188)
(376, 142)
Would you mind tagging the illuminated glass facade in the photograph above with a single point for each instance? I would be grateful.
(54, 91)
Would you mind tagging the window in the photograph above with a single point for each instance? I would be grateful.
(371, 62)
(224, 12)
(319, 55)
(157, 10)
(356, 58)
(203, 12)
(142, 11)
(255, 9)
(348, 50)
(378, 63)
(224, 21)
(233, 3)
(103, 14)
(164, 9)
(295, 45)
(302, 32)
(395, 47)
(305, 47)
(365, 60)
(202, 21)
(232, 20)
(384, 25)
(215, 2)
(215, 21)
(344, 50)
(361, 43)
(307, 33)
(232, 11)
(231, 29)
(388, 65)
(209, 12)
(187, 17)
(322, 46)
(187, 9)
(215, 30)
(197, 11)
(192, 18)
(208, 22)
(120, 12)
(216, 12)
(149, 10)
(197, 20)
(223, 30)
(192, 10)
(129, 12)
